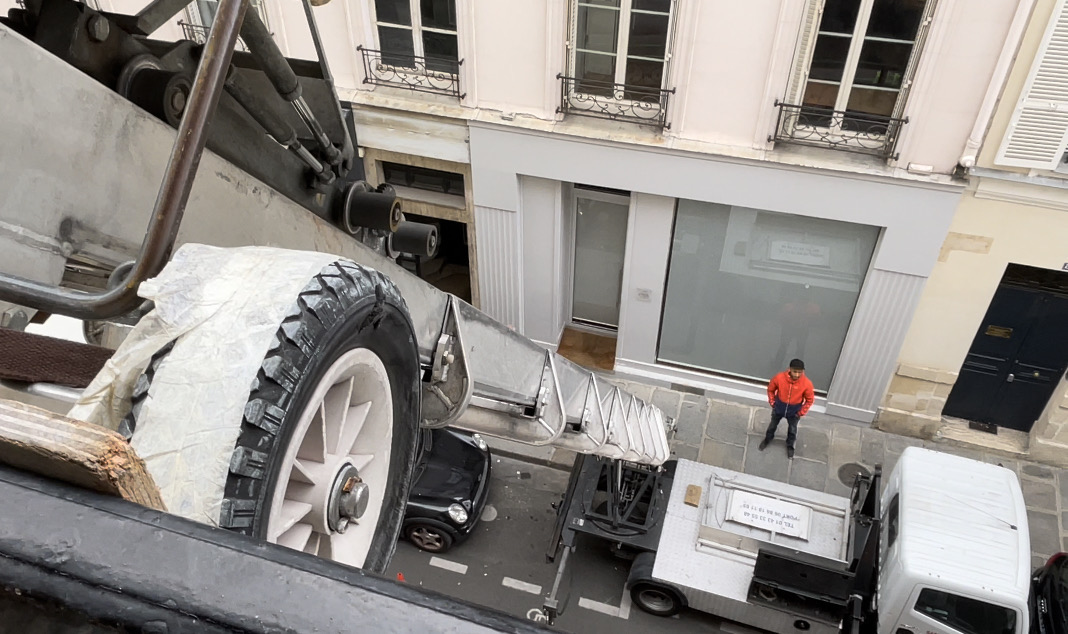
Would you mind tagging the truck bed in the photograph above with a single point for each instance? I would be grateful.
(709, 551)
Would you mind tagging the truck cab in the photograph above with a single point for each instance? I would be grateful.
(954, 548)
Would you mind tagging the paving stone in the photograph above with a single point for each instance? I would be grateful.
(811, 474)
(1062, 480)
(834, 486)
(730, 425)
(770, 463)
(693, 415)
(1037, 562)
(718, 412)
(889, 462)
(668, 401)
(1001, 461)
(642, 391)
(898, 444)
(686, 452)
(872, 448)
(1064, 542)
(1039, 494)
(843, 451)
(723, 455)
(846, 432)
(964, 452)
(1045, 533)
(1037, 470)
(812, 443)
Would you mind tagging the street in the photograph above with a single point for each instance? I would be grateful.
(502, 565)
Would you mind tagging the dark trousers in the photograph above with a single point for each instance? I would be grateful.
(791, 433)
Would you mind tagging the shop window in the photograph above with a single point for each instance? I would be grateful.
(423, 178)
(748, 290)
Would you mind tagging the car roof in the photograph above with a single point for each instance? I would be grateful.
(963, 525)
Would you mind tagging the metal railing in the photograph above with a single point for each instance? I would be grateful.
(608, 100)
(199, 33)
(437, 75)
(847, 131)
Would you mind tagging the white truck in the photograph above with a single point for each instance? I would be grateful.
(947, 553)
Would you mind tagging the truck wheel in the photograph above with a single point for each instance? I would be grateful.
(656, 598)
(327, 442)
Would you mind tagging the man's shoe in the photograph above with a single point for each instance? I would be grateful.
(763, 444)
(790, 452)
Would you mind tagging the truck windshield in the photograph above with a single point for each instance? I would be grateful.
(966, 615)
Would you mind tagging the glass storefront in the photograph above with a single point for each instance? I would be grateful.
(749, 289)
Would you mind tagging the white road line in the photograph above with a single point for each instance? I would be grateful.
(597, 606)
(516, 584)
(624, 604)
(445, 564)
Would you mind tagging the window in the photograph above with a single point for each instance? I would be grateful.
(891, 521)
(966, 615)
(619, 51)
(749, 289)
(855, 64)
(423, 178)
(411, 29)
(621, 42)
(202, 15)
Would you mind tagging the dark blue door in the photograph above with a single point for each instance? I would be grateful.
(1017, 358)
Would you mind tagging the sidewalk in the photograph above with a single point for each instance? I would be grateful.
(829, 451)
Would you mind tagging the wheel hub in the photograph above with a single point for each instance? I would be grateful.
(349, 497)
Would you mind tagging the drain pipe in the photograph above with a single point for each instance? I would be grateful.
(997, 82)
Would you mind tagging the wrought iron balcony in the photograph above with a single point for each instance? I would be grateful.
(199, 33)
(847, 131)
(607, 100)
(421, 74)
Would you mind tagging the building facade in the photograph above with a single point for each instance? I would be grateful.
(988, 347)
(717, 186)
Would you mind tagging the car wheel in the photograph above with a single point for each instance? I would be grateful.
(326, 445)
(428, 538)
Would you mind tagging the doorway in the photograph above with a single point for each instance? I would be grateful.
(1019, 354)
(599, 248)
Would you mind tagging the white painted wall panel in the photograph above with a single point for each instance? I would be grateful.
(542, 259)
(644, 275)
(884, 312)
(499, 281)
(915, 216)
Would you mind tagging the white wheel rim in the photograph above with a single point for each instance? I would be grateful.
(348, 421)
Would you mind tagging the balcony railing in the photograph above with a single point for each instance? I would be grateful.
(846, 131)
(199, 33)
(607, 100)
(421, 74)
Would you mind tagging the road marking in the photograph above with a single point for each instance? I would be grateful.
(516, 584)
(623, 611)
(624, 604)
(445, 564)
(597, 606)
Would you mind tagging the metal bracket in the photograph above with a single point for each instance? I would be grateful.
(448, 391)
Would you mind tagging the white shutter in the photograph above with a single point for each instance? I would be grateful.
(806, 43)
(1038, 131)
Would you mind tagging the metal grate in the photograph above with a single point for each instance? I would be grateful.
(421, 74)
(847, 131)
(608, 100)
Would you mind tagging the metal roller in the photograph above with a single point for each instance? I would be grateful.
(363, 207)
(416, 238)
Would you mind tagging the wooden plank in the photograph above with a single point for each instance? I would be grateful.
(74, 451)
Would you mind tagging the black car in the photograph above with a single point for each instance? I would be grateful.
(1049, 597)
(449, 489)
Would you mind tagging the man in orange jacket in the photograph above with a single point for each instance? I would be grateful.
(790, 394)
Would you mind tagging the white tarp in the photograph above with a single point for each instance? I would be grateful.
(222, 308)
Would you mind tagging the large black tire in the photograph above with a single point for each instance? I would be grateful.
(343, 308)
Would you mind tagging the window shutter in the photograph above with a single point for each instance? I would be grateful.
(914, 59)
(806, 42)
(1038, 130)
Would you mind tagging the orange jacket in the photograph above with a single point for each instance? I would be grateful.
(789, 397)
